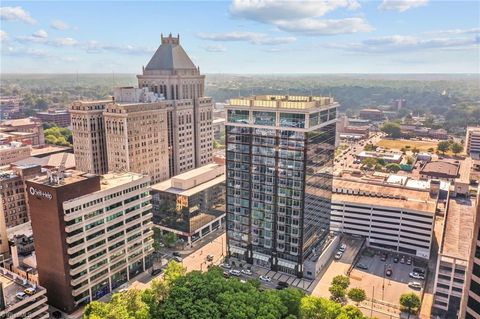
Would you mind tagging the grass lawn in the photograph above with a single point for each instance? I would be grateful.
(423, 146)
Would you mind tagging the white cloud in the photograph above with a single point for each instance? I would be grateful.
(252, 37)
(59, 25)
(16, 13)
(3, 36)
(402, 44)
(454, 32)
(274, 10)
(215, 48)
(401, 5)
(42, 34)
(310, 26)
(25, 52)
(63, 42)
(97, 47)
(303, 17)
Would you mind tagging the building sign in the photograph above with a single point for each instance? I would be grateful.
(39, 193)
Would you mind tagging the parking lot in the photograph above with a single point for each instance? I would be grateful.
(376, 283)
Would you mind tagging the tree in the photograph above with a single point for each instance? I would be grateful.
(351, 312)
(169, 239)
(124, 305)
(391, 129)
(410, 160)
(342, 281)
(431, 149)
(393, 167)
(337, 293)
(173, 271)
(443, 146)
(369, 162)
(357, 295)
(456, 148)
(415, 150)
(319, 308)
(411, 302)
(370, 147)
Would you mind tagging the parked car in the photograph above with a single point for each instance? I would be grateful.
(362, 266)
(226, 274)
(389, 273)
(409, 260)
(338, 255)
(343, 247)
(57, 314)
(402, 260)
(415, 285)
(419, 270)
(416, 275)
(30, 291)
(178, 259)
(157, 271)
(384, 257)
(176, 254)
(226, 265)
(21, 295)
(265, 278)
(395, 260)
(210, 258)
(283, 284)
(247, 272)
(235, 272)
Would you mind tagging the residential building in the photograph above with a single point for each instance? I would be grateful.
(88, 131)
(389, 216)
(472, 142)
(453, 257)
(27, 131)
(372, 114)
(171, 73)
(13, 152)
(191, 204)
(92, 233)
(16, 303)
(136, 133)
(280, 153)
(59, 117)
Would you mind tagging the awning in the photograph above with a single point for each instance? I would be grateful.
(285, 263)
(237, 250)
(261, 257)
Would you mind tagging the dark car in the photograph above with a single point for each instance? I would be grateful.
(157, 271)
(395, 260)
(176, 254)
(419, 271)
(283, 284)
(226, 274)
(384, 257)
(57, 314)
(388, 273)
(362, 266)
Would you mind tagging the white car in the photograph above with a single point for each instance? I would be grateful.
(265, 278)
(415, 285)
(416, 275)
(343, 247)
(247, 272)
(338, 255)
(234, 272)
(226, 265)
(21, 295)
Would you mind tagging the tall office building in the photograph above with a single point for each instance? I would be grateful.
(92, 233)
(136, 133)
(171, 73)
(88, 132)
(280, 153)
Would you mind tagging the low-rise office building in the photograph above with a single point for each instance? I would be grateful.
(372, 114)
(58, 117)
(92, 233)
(191, 204)
(16, 302)
(453, 257)
(472, 142)
(27, 130)
(443, 170)
(390, 217)
(13, 152)
(387, 157)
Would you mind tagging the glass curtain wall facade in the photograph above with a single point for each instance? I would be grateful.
(279, 181)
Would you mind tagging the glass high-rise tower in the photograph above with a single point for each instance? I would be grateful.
(280, 153)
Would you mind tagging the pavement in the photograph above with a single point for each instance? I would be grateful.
(337, 267)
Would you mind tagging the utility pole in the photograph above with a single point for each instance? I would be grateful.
(371, 309)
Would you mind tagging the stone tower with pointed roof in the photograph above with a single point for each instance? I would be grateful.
(171, 73)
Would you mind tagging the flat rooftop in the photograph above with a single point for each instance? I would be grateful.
(382, 194)
(440, 169)
(458, 229)
(49, 149)
(284, 101)
(115, 179)
(193, 181)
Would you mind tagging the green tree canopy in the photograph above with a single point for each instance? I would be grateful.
(393, 167)
(392, 129)
(411, 302)
(357, 295)
(443, 146)
(342, 281)
(456, 148)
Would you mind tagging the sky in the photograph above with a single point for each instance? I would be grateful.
(243, 36)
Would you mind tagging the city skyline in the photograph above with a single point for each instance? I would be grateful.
(261, 37)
